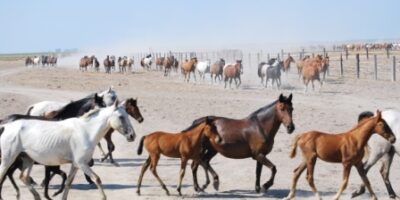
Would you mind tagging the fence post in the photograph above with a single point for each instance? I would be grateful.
(258, 58)
(302, 53)
(394, 69)
(387, 52)
(347, 53)
(341, 65)
(249, 59)
(366, 49)
(282, 54)
(375, 67)
(300, 56)
(358, 65)
(324, 52)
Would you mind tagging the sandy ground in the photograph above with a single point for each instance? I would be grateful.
(169, 104)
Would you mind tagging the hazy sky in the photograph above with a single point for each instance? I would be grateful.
(28, 26)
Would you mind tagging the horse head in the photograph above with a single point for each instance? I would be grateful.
(133, 110)
(382, 128)
(284, 112)
(120, 122)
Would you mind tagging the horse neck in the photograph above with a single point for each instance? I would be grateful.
(97, 126)
(195, 135)
(268, 121)
(363, 132)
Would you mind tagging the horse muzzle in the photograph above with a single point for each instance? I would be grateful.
(290, 128)
(141, 119)
(392, 139)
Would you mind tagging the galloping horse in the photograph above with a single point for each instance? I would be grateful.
(107, 64)
(311, 70)
(85, 62)
(130, 63)
(233, 71)
(217, 69)
(28, 61)
(300, 64)
(146, 62)
(381, 149)
(274, 73)
(168, 64)
(262, 68)
(346, 148)
(202, 68)
(286, 64)
(189, 67)
(252, 136)
(159, 63)
(185, 145)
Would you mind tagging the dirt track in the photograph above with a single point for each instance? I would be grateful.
(169, 104)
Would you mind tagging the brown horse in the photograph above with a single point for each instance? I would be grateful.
(311, 70)
(168, 64)
(233, 71)
(300, 64)
(159, 63)
(133, 110)
(84, 62)
(346, 148)
(286, 64)
(107, 64)
(216, 70)
(325, 67)
(189, 67)
(251, 137)
(185, 145)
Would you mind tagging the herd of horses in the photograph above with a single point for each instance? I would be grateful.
(44, 60)
(55, 133)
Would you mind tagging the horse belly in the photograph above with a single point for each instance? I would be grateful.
(232, 150)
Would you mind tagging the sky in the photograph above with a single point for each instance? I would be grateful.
(46, 25)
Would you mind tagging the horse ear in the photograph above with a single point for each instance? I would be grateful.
(290, 98)
(379, 114)
(281, 98)
(116, 102)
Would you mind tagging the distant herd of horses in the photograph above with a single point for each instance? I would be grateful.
(56, 133)
(44, 60)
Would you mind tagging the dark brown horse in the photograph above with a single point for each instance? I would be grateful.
(252, 136)
(185, 145)
(233, 71)
(133, 110)
(107, 64)
(286, 64)
(216, 70)
(168, 64)
(159, 63)
(189, 67)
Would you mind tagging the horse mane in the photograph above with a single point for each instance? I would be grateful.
(91, 113)
(362, 123)
(193, 126)
(255, 113)
(70, 106)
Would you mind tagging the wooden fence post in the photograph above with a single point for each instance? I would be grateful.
(341, 65)
(387, 52)
(375, 67)
(324, 52)
(249, 59)
(394, 69)
(347, 53)
(300, 56)
(358, 65)
(366, 50)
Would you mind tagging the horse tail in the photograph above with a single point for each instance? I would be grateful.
(259, 68)
(140, 148)
(294, 147)
(29, 110)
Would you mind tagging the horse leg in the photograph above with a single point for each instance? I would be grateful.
(88, 171)
(70, 178)
(226, 80)
(58, 171)
(205, 163)
(230, 83)
(194, 167)
(262, 159)
(240, 82)
(258, 174)
(29, 164)
(310, 174)
(10, 173)
(306, 81)
(364, 178)
(387, 162)
(297, 172)
(346, 173)
(266, 81)
(153, 168)
(46, 181)
(103, 153)
(144, 168)
(312, 84)
(182, 173)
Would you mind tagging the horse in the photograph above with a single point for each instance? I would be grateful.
(28, 61)
(274, 73)
(74, 138)
(52, 61)
(233, 71)
(346, 148)
(160, 62)
(300, 64)
(85, 62)
(286, 64)
(146, 62)
(43, 108)
(130, 63)
(252, 136)
(45, 60)
(132, 109)
(262, 68)
(36, 61)
(107, 64)
(122, 64)
(96, 64)
(216, 70)
(381, 149)
(185, 145)
(325, 67)
(311, 70)
(168, 64)
(189, 67)
(202, 68)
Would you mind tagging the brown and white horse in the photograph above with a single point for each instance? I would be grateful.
(85, 62)
(233, 71)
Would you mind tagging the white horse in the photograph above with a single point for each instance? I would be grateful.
(146, 62)
(36, 61)
(263, 67)
(59, 142)
(381, 149)
(42, 108)
(203, 67)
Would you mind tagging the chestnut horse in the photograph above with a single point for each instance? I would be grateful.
(132, 109)
(189, 67)
(346, 148)
(233, 71)
(85, 62)
(185, 145)
(286, 64)
(251, 137)
(168, 64)
(216, 70)
(300, 64)
(311, 70)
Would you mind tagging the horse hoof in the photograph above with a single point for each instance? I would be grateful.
(138, 192)
(258, 189)
(266, 186)
(216, 185)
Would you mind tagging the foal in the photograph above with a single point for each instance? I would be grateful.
(185, 145)
(347, 148)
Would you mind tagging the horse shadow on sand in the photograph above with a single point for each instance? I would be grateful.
(251, 194)
(130, 162)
